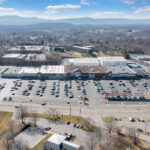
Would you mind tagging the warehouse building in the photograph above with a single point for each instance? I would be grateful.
(83, 49)
(86, 61)
(26, 49)
(113, 61)
(14, 57)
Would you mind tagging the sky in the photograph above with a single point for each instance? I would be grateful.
(60, 9)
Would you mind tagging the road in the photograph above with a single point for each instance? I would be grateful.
(117, 110)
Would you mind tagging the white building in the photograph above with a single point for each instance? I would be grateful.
(70, 146)
(29, 72)
(53, 72)
(59, 142)
(26, 49)
(14, 56)
(121, 72)
(86, 61)
(83, 49)
(113, 61)
(55, 142)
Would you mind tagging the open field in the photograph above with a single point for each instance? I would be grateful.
(5, 118)
(124, 143)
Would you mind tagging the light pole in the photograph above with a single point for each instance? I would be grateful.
(70, 109)
(80, 109)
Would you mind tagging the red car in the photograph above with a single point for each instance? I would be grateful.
(74, 125)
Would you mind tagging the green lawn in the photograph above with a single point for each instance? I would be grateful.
(74, 119)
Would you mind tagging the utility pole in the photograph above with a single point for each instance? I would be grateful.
(70, 110)
(99, 135)
(80, 109)
(145, 126)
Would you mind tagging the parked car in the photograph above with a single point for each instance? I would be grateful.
(131, 119)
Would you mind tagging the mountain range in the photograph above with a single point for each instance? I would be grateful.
(17, 20)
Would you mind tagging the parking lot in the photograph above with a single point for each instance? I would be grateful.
(76, 92)
(51, 91)
(127, 90)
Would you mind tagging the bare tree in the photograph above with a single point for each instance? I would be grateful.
(134, 135)
(21, 113)
(54, 115)
(92, 140)
(109, 143)
(87, 124)
(118, 130)
(34, 118)
(11, 130)
(109, 123)
(6, 143)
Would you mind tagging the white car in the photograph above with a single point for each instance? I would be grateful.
(80, 96)
(131, 119)
(142, 120)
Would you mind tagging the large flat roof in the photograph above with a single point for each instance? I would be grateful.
(27, 70)
(57, 138)
(12, 70)
(52, 69)
(83, 47)
(120, 70)
(85, 60)
(86, 69)
(71, 144)
(27, 48)
(113, 58)
(17, 56)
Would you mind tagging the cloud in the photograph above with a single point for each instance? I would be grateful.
(84, 2)
(54, 9)
(143, 10)
(63, 7)
(108, 14)
(12, 12)
(134, 1)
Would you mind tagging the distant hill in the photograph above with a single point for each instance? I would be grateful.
(16, 20)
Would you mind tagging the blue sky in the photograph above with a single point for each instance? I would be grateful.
(58, 9)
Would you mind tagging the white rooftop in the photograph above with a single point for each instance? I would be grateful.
(27, 48)
(57, 138)
(83, 47)
(27, 70)
(18, 56)
(52, 69)
(82, 61)
(113, 58)
(121, 70)
(73, 145)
